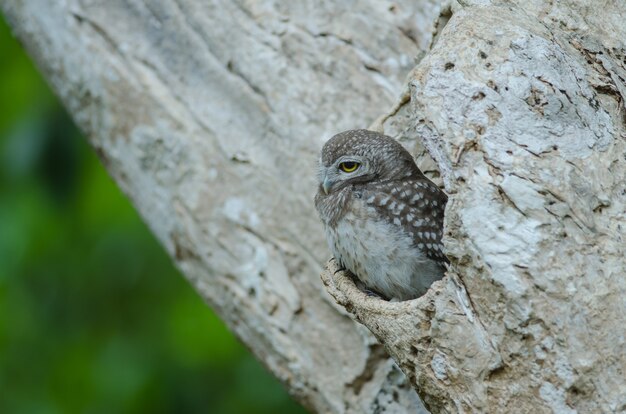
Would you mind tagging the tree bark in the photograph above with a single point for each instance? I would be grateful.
(210, 115)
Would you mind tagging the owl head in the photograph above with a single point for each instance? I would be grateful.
(361, 156)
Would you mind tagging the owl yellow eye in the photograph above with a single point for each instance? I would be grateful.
(349, 166)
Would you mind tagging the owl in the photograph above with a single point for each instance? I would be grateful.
(383, 218)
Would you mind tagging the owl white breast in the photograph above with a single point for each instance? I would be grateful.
(383, 218)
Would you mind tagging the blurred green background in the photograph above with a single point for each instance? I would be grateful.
(93, 316)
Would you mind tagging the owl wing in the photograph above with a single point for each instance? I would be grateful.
(417, 206)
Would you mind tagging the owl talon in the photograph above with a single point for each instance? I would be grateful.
(369, 292)
(342, 268)
(373, 294)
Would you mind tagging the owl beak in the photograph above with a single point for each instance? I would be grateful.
(327, 185)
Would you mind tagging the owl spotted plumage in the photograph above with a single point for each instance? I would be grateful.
(383, 218)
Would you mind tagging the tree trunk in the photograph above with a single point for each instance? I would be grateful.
(210, 115)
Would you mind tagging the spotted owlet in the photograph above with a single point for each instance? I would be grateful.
(383, 218)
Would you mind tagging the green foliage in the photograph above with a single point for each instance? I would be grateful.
(93, 316)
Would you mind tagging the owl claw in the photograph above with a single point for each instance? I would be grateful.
(373, 294)
(342, 268)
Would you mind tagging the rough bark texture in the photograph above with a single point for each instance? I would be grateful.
(210, 116)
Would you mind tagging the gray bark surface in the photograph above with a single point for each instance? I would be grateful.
(210, 116)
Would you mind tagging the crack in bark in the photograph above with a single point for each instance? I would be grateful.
(442, 21)
(377, 354)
